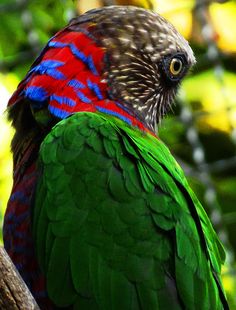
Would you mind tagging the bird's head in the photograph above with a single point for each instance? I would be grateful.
(130, 56)
(146, 58)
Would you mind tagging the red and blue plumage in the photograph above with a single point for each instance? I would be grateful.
(17, 233)
(66, 80)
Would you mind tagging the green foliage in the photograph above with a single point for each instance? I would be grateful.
(26, 28)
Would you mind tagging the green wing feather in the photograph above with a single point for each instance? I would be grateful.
(116, 225)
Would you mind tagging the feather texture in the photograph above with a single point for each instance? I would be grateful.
(128, 233)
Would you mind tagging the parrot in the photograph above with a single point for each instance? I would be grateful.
(101, 215)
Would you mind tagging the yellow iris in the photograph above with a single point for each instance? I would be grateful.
(176, 66)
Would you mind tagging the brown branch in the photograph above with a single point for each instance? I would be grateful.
(14, 294)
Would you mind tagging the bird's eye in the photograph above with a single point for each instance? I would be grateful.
(176, 66)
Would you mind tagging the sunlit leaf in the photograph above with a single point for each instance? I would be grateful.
(224, 21)
(216, 98)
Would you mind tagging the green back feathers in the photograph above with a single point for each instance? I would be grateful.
(116, 225)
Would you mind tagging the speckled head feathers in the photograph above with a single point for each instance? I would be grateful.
(140, 45)
(133, 28)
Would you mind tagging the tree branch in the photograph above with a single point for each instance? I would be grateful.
(14, 294)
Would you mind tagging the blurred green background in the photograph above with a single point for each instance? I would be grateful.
(201, 129)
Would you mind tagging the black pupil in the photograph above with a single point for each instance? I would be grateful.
(177, 65)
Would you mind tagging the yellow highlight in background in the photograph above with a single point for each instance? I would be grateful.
(8, 84)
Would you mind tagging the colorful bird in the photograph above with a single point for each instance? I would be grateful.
(101, 215)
